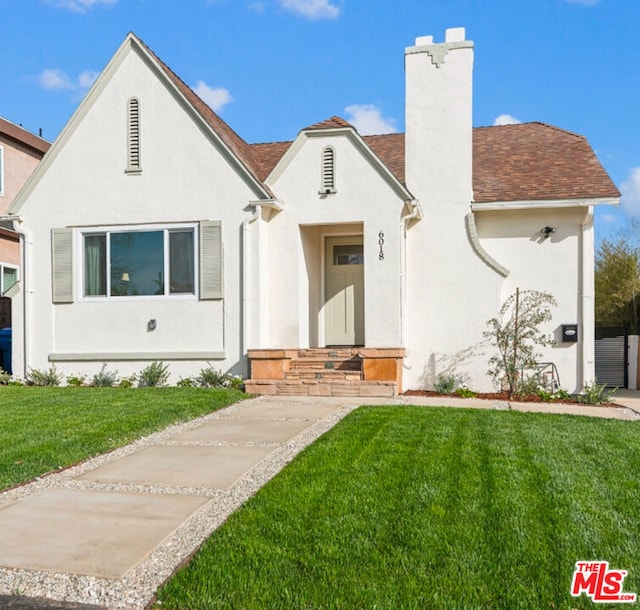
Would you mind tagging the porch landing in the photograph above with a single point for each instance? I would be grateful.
(340, 371)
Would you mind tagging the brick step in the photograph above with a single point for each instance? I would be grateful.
(328, 353)
(319, 387)
(309, 364)
(323, 374)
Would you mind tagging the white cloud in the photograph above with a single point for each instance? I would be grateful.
(54, 79)
(312, 9)
(80, 6)
(630, 190)
(368, 120)
(87, 78)
(216, 99)
(506, 119)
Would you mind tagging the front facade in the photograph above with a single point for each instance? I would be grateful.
(152, 231)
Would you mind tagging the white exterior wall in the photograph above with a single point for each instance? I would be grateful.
(551, 265)
(450, 290)
(185, 178)
(364, 203)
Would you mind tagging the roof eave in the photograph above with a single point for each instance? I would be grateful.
(529, 204)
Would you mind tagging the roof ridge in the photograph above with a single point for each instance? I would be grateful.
(528, 123)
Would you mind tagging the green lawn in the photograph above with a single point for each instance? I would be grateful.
(407, 507)
(42, 429)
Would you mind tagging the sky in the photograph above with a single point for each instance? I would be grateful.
(273, 67)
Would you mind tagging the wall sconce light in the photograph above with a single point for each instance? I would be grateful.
(152, 324)
(546, 231)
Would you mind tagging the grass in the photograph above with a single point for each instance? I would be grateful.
(43, 429)
(413, 508)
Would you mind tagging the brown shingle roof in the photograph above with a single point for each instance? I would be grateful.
(535, 161)
(22, 136)
(525, 162)
(333, 123)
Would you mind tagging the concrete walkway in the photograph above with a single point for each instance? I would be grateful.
(111, 530)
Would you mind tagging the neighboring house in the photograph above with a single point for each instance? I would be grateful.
(20, 153)
(154, 232)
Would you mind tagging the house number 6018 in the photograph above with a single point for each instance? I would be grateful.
(381, 243)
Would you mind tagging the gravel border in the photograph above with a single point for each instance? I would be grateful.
(137, 588)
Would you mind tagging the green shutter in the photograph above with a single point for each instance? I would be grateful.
(211, 259)
(62, 265)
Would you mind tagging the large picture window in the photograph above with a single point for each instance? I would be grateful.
(131, 263)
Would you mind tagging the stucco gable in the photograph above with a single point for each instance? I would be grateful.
(276, 158)
(238, 154)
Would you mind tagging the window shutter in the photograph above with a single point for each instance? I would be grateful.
(328, 170)
(133, 136)
(62, 265)
(211, 260)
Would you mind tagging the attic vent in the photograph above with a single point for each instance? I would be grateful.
(133, 136)
(328, 183)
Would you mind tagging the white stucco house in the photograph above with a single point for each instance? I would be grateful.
(335, 263)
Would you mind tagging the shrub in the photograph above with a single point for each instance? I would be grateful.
(186, 382)
(104, 378)
(594, 394)
(213, 378)
(154, 375)
(127, 382)
(4, 377)
(465, 392)
(76, 380)
(445, 384)
(516, 334)
(37, 377)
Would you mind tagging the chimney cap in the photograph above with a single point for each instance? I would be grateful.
(454, 35)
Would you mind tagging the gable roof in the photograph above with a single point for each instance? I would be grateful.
(524, 162)
(17, 134)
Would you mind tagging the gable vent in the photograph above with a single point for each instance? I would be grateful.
(328, 184)
(133, 136)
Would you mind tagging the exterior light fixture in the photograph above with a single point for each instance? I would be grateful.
(546, 231)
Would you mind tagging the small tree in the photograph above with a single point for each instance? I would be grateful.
(516, 334)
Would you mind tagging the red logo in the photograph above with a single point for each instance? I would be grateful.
(600, 583)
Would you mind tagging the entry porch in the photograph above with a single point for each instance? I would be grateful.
(339, 371)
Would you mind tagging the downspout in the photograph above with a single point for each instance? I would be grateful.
(257, 206)
(414, 214)
(587, 300)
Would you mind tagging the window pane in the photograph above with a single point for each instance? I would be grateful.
(9, 278)
(95, 265)
(352, 254)
(181, 279)
(137, 263)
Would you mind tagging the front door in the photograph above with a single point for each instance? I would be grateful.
(344, 291)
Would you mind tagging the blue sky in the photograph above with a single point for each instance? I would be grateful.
(273, 67)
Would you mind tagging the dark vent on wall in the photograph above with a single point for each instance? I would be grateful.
(133, 140)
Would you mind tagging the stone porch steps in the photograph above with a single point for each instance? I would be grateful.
(321, 388)
(340, 371)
